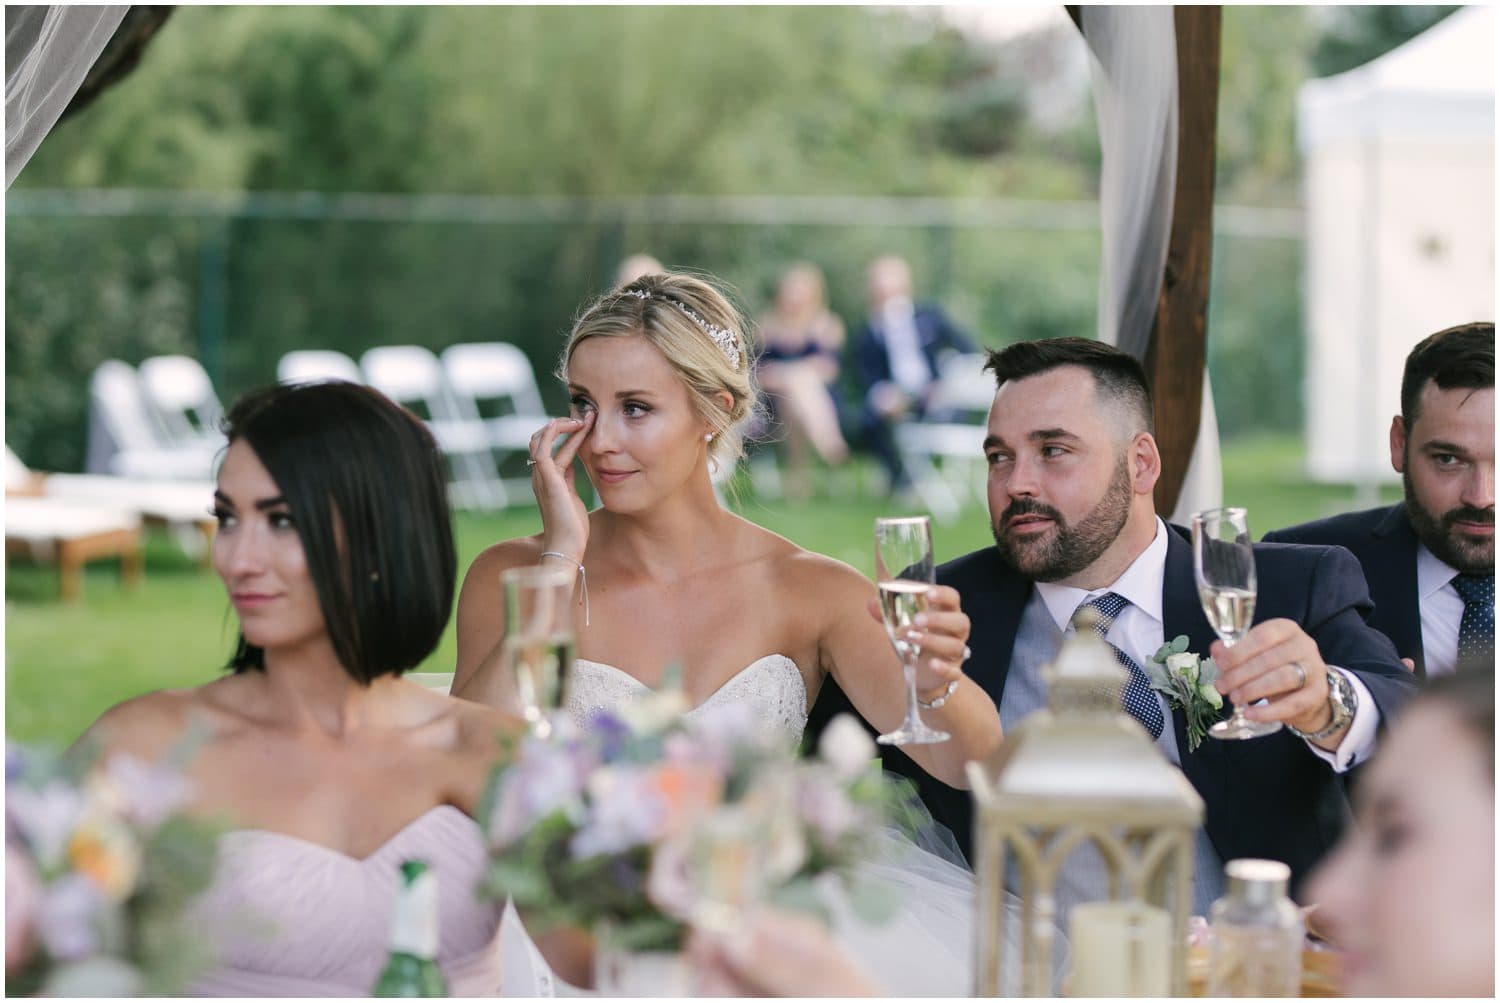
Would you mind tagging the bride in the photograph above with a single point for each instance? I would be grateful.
(658, 376)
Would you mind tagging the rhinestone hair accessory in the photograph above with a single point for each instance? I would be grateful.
(723, 337)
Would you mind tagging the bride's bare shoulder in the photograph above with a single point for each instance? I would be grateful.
(506, 554)
(806, 572)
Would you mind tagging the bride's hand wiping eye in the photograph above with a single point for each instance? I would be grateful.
(565, 523)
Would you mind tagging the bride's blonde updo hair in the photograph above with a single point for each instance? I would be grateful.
(701, 334)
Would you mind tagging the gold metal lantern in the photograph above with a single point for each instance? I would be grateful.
(1084, 772)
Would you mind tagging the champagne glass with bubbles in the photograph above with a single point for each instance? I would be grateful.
(904, 573)
(1224, 567)
(539, 638)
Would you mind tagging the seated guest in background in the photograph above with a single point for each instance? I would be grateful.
(1430, 560)
(1409, 894)
(634, 267)
(896, 357)
(799, 362)
(1072, 466)
(336, 549)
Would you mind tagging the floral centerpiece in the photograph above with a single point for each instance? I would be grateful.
(99, 870)
(597, 826)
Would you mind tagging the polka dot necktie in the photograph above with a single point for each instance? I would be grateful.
(1138, 699)
(1476, 631)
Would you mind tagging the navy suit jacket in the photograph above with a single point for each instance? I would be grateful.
(1264, 797)
(937, 334)
(1385, 545)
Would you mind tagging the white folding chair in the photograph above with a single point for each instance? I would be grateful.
(126, 438)
(412, 376)
(945, 456)
(178, 390)
(315, 365)
(494, 383)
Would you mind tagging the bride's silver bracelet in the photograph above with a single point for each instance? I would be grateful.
(941, 698)
(583, 578)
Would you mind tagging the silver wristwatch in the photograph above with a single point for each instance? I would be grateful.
(1343, 700)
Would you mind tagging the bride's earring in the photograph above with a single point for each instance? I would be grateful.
(708, 437)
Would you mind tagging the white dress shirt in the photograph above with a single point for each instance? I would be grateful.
(903, 345)
(1139, 632)
(1442, 610)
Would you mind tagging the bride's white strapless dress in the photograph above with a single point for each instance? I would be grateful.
(926, 949)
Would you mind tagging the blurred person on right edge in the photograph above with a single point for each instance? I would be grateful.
(1408, 896)
(800, 341)
(1430, 559)
(896, 355)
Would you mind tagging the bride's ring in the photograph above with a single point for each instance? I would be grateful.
(531, 463)
(968, 653)
(1301, 674)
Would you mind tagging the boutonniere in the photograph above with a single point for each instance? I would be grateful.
(1187, 682)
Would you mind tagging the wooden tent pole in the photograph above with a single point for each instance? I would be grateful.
(1178, 350)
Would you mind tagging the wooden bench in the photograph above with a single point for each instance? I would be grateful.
(71, 534)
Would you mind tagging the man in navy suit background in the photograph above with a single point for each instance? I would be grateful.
(1430, 559)
(896, 354)
(1072, 466)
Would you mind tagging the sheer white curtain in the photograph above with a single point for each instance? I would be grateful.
(1133, 60)
(48, 51)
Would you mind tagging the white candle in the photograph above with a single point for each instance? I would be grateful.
(1119, 949)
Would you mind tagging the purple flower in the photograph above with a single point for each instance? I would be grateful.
(15, 762)
(609, 731)
(46, 818)
(626, 812)
(144, 793)
(542, 780)
(69, 917)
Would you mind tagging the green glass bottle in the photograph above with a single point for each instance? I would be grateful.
(412, 969)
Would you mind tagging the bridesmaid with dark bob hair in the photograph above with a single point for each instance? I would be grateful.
(326, 768)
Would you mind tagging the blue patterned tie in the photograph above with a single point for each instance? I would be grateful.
(1476, 631)
(1138, 698)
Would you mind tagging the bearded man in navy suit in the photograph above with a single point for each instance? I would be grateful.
(1072, 466)
(1430, 559)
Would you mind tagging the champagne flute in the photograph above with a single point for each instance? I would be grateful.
(904, 573)
(539, 638)
(1224, 567)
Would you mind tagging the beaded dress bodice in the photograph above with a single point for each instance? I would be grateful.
(771, 685)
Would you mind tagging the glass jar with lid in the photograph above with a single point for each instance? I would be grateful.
(1257, 933)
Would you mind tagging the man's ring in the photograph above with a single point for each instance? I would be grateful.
(968, 652)
(1301, 674)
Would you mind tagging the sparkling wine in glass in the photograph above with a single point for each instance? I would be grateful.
(903, 574)
(539, 639)
(1224, 568)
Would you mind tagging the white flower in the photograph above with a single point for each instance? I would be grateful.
(1184, 664)
(654, 712)
(846, 746)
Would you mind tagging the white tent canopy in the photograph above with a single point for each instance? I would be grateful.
(1400, 192)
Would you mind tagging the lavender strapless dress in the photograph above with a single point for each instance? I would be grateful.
(294, 918)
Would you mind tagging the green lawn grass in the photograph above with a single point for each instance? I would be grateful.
(67, 663)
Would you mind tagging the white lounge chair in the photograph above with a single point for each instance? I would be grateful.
(412, 376)
(126, 438)
(69, 534)
(316, 365)
(178, 390)
(945, 457)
